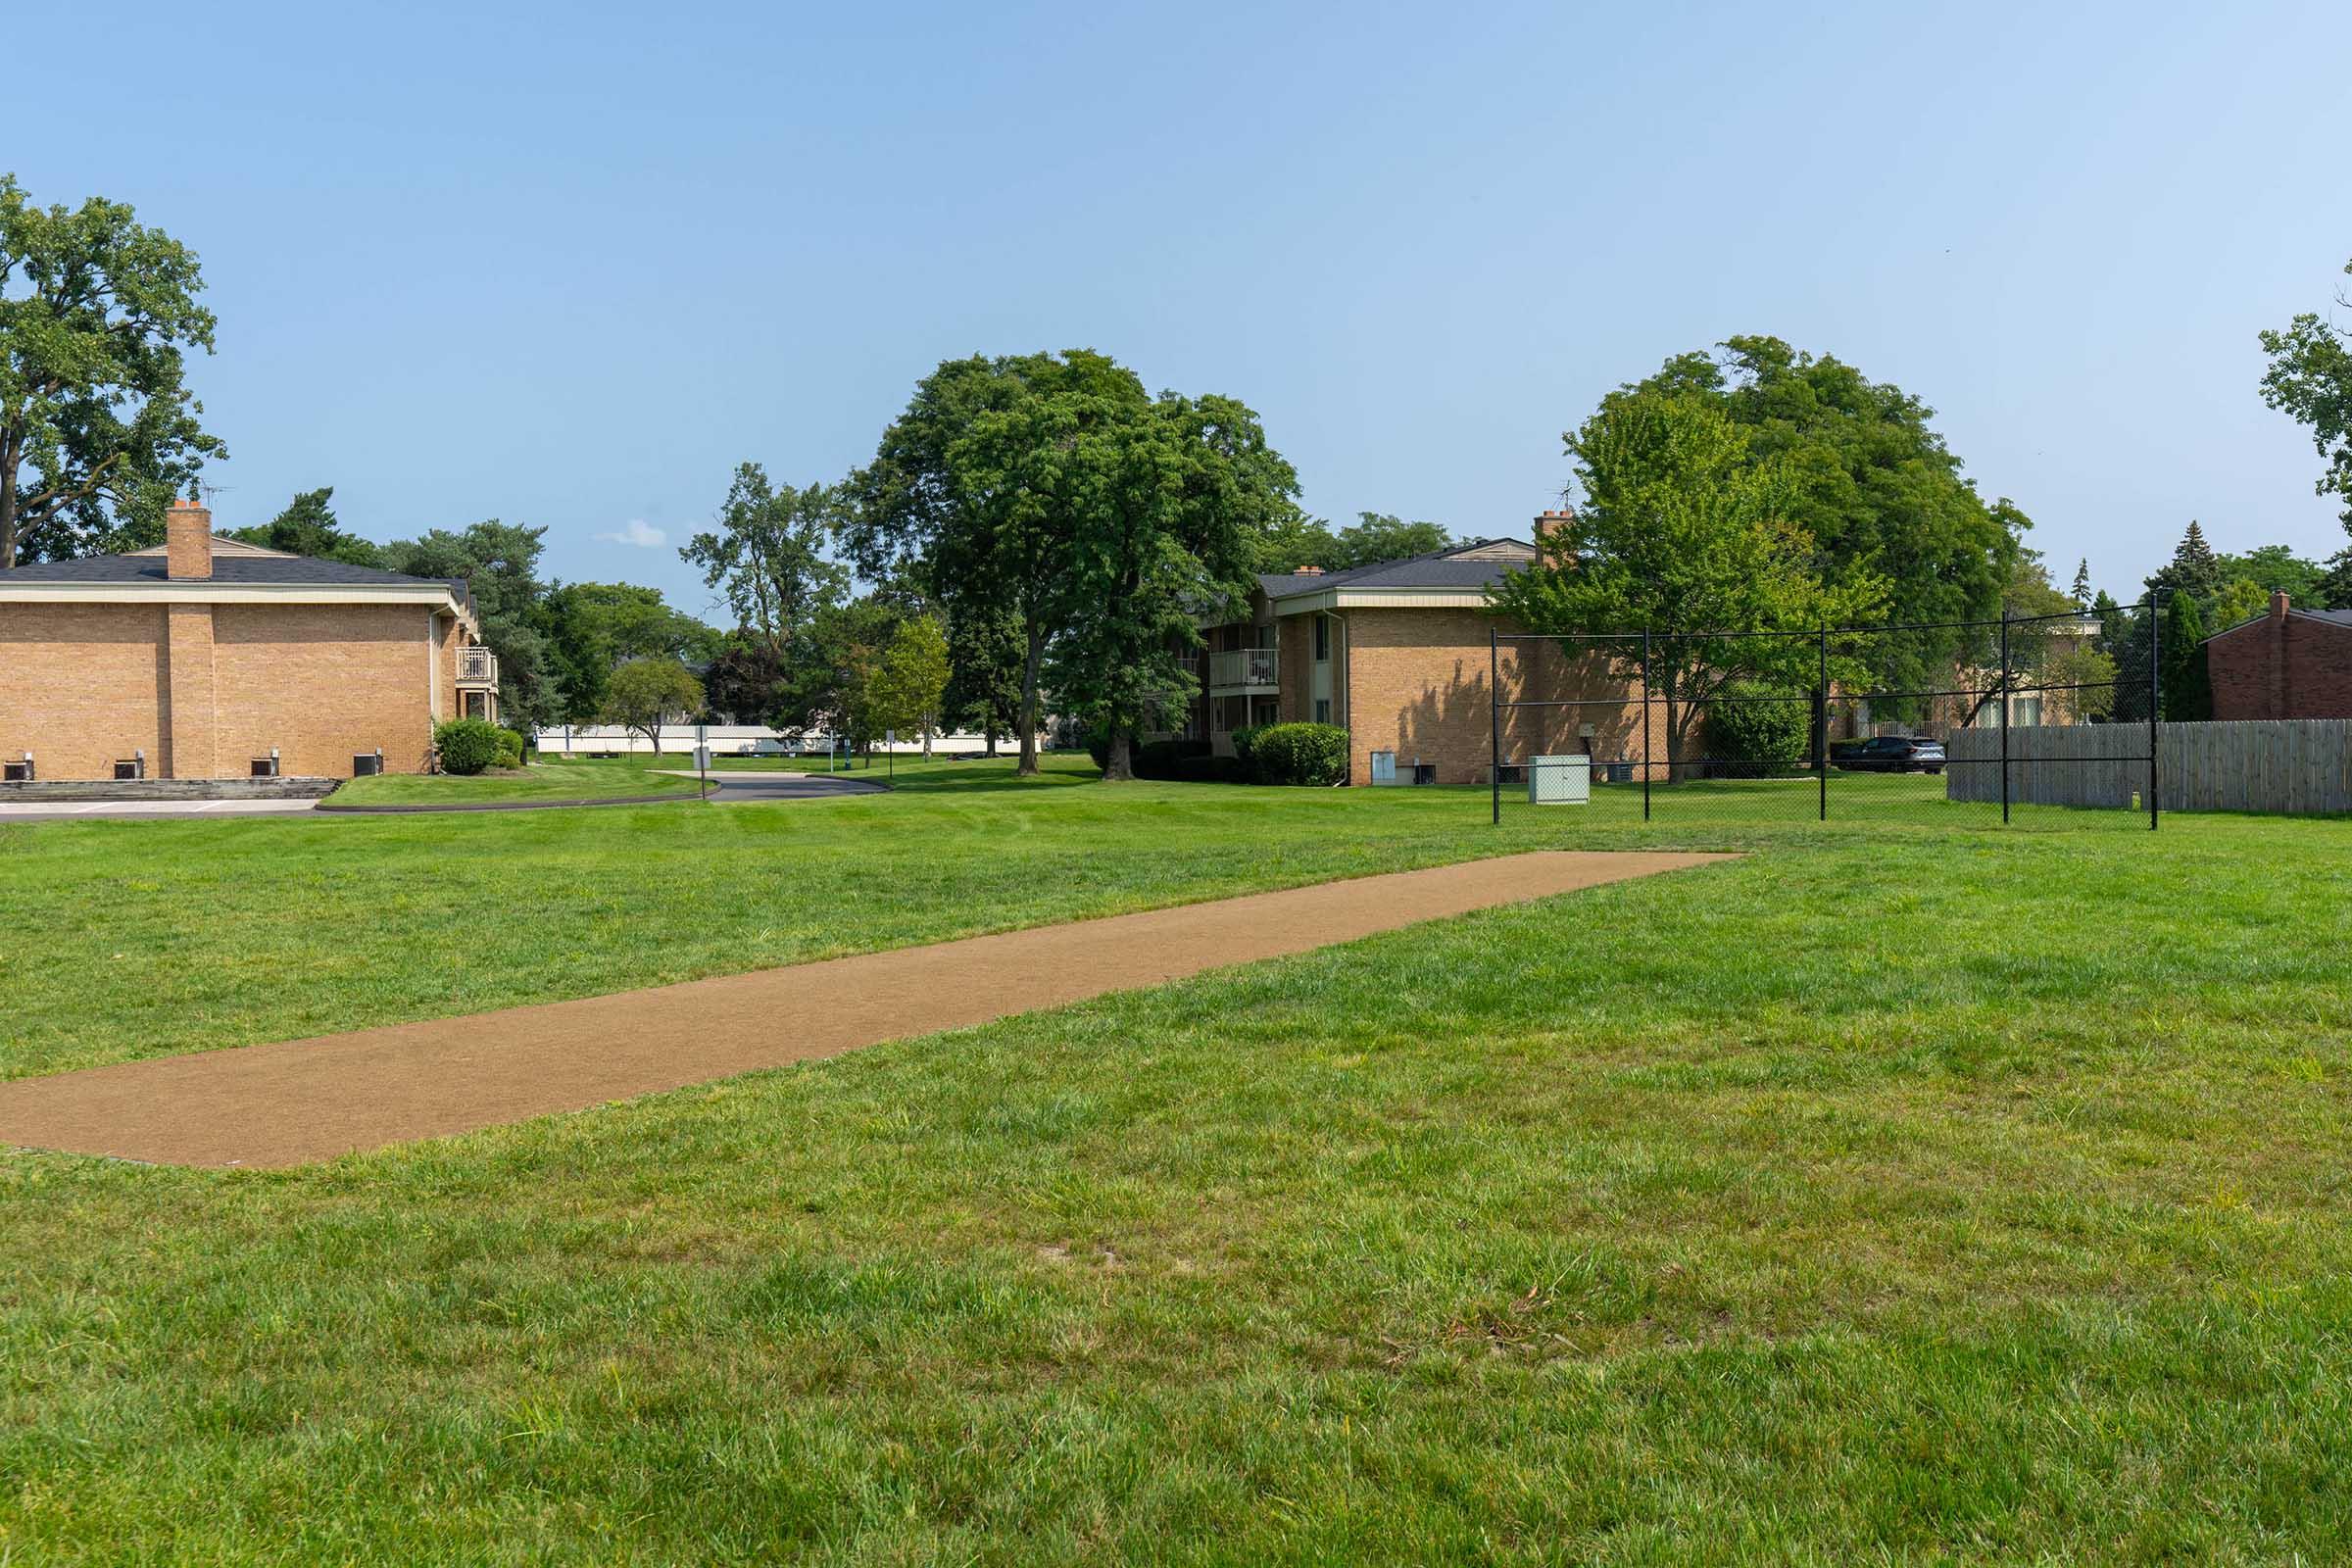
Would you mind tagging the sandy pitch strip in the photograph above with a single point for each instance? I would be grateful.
(300, 1101)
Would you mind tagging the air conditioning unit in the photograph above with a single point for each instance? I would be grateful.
(17, 772)
(367, 765)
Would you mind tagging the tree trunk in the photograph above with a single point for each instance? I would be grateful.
(1118, 767)
(8, 508)
(1031, 665)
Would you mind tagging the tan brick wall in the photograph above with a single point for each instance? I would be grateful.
(204, 689)
(81, 687)
(191, 694)
(322, 683)
(1418, 680)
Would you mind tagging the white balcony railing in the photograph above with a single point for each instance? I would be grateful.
(477, 668)
(1242, 667)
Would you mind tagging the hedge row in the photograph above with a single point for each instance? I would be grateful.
(1270, 754)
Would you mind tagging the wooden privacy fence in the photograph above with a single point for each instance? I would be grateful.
(2291, 766)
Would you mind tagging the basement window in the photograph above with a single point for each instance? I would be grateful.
(367, 765)
(264, 768)
(129, 769)
(17, 772)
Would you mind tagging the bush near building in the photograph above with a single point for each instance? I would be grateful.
(466, 745)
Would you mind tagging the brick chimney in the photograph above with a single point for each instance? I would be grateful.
(1309, 571)
(1549, 523)
(2278, 604)
(187, 540)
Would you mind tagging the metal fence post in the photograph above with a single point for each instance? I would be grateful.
(2155, 704)
(1821, 725)
(1495, 707)
(1646, 723)
(2004, 715)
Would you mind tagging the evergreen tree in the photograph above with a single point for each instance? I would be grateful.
(2194, 568)
(309, 527)
(2187, 682)
(2082, 581)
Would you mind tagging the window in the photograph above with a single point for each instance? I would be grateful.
(1322, 709)
(2024, 711)
(1322, 638)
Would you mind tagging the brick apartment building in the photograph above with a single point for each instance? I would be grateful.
(210, 657)
(1397, 653)
(2287, 663)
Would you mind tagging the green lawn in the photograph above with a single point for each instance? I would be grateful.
(1897, 1193)
(553, 780)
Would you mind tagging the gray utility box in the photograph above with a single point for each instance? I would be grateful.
(1559, 781)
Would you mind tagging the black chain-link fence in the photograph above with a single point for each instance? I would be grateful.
(2033, 719)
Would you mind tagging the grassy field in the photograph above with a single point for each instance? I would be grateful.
(551, 780)
(1895, 1193)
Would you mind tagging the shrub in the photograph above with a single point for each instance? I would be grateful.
(509, 748)
(1299, 753)
(1211, 770)
(1160, 759)
(466, 745)
(1244, 741)
(1777, 733)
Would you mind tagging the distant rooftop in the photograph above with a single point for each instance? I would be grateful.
(1472, 564)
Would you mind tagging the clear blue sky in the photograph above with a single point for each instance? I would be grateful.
(568, 265)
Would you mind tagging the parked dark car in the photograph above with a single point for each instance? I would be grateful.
(1893, 753)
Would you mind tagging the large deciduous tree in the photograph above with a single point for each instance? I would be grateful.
(97, 427)
(1295, 540)
(1682, 531)
(769, 555)
(974, 528)
(2276, 569)
(2309, 378)
(1872, 484)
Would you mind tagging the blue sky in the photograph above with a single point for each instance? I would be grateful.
(566, 266)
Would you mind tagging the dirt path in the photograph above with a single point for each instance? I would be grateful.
(308, 1100)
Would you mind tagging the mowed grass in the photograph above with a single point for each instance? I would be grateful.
(1889, 1195)
(151, 938)
(554, 779)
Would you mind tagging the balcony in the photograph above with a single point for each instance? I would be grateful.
(1243, 670)
(477, 669)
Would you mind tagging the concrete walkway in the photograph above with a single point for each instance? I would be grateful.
(311, 1099)
(732, 787)
(42, 810)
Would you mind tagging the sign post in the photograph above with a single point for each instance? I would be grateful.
(701, 766)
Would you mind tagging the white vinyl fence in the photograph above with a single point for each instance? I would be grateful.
(740, 740)
(2297, 766)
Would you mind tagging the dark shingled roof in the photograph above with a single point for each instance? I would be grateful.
(2333, 617)
(278, 571)
(1438, 569)
(233, 569)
